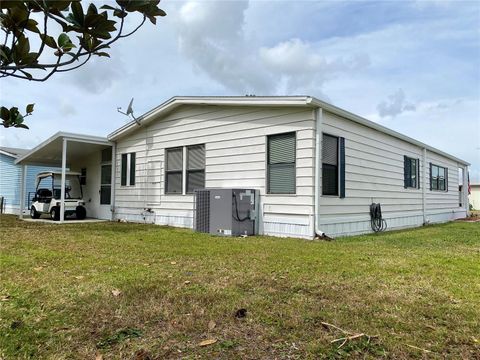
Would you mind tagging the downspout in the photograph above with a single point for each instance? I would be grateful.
(424, 187)
(113, 181)
(318, 155)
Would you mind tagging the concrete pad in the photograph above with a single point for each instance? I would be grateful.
(73, 221)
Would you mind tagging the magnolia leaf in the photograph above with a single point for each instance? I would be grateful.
(23, 126)
(4, 113)
(23, 46)
(4, 51)
(102, 54)
(48, 40)
(119, 13)
(116, 292)
(32, 26)
(207, 342)
(211, 325)
(107, 7)
(63, 39)
(29, 108)
(92, 10)
(77, 12)
(65, 43)
(28, 75)
(18, 119)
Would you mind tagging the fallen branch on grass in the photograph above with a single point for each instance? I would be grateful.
(350, 336)
(327, 325)
(418, 348)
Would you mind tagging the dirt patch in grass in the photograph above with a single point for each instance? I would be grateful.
(125, 290)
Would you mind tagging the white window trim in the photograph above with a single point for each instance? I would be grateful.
(184, 168)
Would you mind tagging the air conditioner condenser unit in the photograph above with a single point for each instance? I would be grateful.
(226, 212)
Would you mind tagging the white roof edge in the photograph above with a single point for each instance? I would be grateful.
(6, 153)
(299, 100)
(70, 136)
(358, 119)
(208, 100)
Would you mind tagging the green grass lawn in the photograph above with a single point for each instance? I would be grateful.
(113, 289)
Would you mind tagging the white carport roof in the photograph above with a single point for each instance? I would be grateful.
(49, 152)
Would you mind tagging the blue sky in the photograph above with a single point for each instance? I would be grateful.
(413, 66)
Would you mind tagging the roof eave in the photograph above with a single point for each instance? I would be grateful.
(358, 119)
(6, 153)
(68, 136)
(176, 101)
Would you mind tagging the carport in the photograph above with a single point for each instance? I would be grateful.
(66, 151)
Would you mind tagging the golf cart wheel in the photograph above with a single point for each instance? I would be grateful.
(80, 212)
(34, 214)
(55, 213)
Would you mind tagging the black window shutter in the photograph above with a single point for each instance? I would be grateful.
(446, 179)
(132, 169)
(431, 185)
(418, 173)
(124, 169)
(342, 166)
(405, 171)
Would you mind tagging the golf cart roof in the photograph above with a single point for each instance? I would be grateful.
(45, 174)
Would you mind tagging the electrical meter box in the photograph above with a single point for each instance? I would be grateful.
(226, 212)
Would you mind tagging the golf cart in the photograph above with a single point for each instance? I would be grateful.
(48, 196)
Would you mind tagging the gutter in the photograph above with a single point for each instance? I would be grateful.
(316, 209)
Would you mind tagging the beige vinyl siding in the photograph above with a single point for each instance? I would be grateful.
(235, 156)
(375, 173)
(443, 205)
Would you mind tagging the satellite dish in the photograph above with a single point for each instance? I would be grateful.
(129, 111)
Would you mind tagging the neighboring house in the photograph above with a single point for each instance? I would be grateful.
(474, 196)
(10, 176)
(317, 167)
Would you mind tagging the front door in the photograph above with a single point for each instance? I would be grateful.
(105, 185)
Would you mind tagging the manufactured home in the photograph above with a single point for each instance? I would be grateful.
(317, 168)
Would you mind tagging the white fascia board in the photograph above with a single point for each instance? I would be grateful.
(358, 119)
(71, 137)
(176, 101)
(8, 154)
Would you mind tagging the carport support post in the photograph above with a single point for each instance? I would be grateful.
(22, 191)
(62, 184)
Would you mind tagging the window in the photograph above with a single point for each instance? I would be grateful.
(195, 167)
(411, 172)
(106, 155)
(438, 178)
(330, 165)
(281, 155)
(174, 171)
(128, 169)
(83, 176)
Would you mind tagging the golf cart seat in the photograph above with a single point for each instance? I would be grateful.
(44, 195)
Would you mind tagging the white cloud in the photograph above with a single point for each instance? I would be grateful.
(395, 105)
(212, 35)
